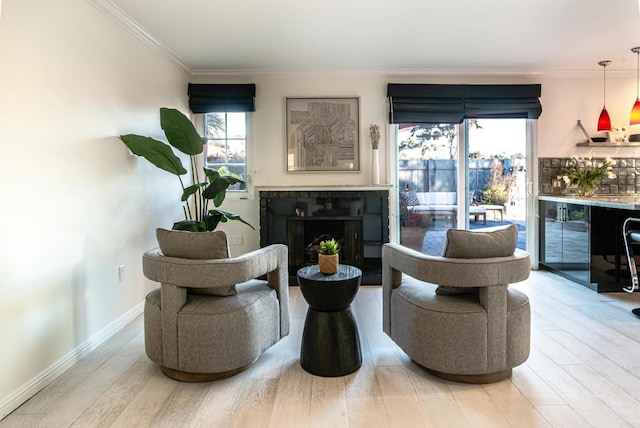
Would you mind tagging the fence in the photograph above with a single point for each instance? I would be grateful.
(440, 175)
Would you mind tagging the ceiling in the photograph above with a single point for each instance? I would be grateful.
(384, 36)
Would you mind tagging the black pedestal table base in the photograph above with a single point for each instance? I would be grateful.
(330, 339)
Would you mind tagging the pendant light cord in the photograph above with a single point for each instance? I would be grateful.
(637, 74)
(604, 86)
(604, 65)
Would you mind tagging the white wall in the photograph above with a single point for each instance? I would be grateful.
(75, 203)
(565, 100)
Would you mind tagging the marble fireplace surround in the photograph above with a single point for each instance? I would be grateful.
(359, 215)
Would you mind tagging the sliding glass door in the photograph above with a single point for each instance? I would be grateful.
(497, 174)
(470, 175)
(428, 182)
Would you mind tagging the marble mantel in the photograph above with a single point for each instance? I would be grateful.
(346, 187)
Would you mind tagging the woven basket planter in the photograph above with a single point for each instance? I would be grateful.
(328, 264)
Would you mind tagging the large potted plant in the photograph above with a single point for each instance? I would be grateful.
(206, 187)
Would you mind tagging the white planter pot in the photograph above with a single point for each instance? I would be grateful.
(375, 167)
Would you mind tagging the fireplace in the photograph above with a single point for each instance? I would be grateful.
(358, 219)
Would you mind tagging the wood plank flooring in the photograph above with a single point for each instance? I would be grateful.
(584, 370)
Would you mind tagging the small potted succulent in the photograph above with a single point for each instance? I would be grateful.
(328, 257)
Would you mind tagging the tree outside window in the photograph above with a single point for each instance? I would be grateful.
(226, 135)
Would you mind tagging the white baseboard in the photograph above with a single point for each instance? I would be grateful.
(45, 377)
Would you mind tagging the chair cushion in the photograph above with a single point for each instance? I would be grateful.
(193, 245)
(481, 243)
(250, 292)
(197, 245)
(197, 304)
(409, 198)
(477, 244)
(446, 290)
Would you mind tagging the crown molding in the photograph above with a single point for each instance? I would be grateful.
(437, 73)
(120, 17)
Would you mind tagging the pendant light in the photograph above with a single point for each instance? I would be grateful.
(635, 111)
(604, 122)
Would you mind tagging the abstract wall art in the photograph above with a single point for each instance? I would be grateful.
(323, 134)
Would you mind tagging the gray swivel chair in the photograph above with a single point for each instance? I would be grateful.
(211, 318)
(456, 315)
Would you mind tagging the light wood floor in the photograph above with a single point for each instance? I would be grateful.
(584, 370)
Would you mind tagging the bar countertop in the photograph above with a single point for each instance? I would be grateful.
(631, 202)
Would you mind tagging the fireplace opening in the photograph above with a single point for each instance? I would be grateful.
(303, 231)
(313, 247)
(359, 220)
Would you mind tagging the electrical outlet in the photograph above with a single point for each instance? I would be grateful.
(121, 273)
(236, 240)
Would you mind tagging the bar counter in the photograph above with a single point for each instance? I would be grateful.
(631, 202)
(581, 238)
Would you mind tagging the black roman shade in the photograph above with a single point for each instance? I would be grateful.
(418, 103)
(211, 98)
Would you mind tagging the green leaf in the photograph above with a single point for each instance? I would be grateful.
(156, 152)
(218, 184)
(230, 179)
(189, 226)
(212, 174)
(225, 215)
(219, 198)
(214, 189)
(191, 190)
(180, 132)
(211, 220)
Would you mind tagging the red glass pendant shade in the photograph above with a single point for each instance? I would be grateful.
(635, 110)
(604, 121)
(635, 113)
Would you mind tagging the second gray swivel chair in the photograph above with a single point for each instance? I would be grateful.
(456, 315)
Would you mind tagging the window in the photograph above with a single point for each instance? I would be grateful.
(226, 135)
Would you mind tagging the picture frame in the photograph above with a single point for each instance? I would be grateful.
(323, 134)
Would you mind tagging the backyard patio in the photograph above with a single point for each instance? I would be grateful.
(434, 238)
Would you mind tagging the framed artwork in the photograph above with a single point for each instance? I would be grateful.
(323, 134)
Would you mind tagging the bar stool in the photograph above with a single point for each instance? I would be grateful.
(630, 237)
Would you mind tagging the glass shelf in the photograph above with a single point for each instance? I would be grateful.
(608, 144)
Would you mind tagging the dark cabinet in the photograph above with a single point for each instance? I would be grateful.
(609, 268)
(583, 242)
(565, 231)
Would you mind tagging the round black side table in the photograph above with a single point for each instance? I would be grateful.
(330, 340)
